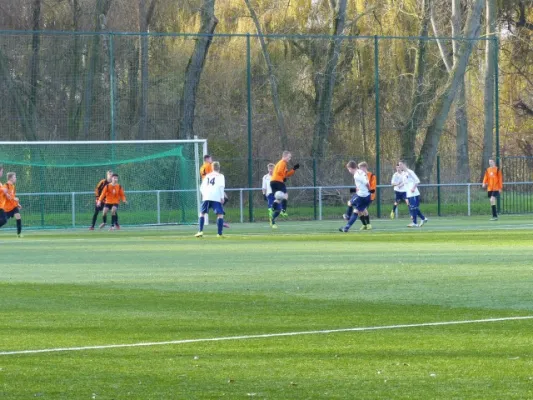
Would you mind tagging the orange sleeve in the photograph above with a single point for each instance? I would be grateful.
(290, 173)
(486, 177)
(104, 193)
(122, 194)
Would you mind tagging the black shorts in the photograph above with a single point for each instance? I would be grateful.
(400, 196)
(110, 206)
(99, 207)
(494, 193)
(11, 214)
(277, 186)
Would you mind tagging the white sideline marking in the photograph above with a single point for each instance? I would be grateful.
(266, 335)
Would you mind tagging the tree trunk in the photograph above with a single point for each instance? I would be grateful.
(442, 105)
(461, 116)
(101, 10)
(34, 70)
(488, 103)
(73, 107)
(419, 105)
(272, 79)
(195, 68)
(323, 123)
(145, 16)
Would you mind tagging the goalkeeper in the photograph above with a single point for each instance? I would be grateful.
(277, 184)
(97, 192)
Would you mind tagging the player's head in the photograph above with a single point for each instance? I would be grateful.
(216, 166)
(286, 156)
(114, 178)
(363, 165)
(270, 168)
(402, 165)
(208, 159)
(398, 169)
(492, 163)
(12, 177)
(351, 166)
(109, 174)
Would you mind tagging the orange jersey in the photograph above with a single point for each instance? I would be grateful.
(2, 196)
(205, 169)
(10, 204)
(372, 183)
(100, 187)
(493, 179)
(112, 194)
(281, 172)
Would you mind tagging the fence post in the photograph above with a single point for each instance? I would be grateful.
(378, 127)
(158, 196)
(241, 206)
(468, 198)
(73, 209)
(314, 190)
(497, 108)
(320, 203)
(438, 186)
(249, 101)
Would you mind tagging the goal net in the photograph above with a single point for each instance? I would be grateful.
(56, 180)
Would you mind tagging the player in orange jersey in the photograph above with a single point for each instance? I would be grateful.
(11, 204)
(113, 193)
(493, 181)
(97, 192)
(277, 184)
(3, 198)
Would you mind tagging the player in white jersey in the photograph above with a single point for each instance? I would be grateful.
(268, 195)
(400, 192)
(411, 182)
(361, 199)
(212, 189)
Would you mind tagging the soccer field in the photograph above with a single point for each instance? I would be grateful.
(305, 312)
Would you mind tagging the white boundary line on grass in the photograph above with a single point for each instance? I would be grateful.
(263, 336)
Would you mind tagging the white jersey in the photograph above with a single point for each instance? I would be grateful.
(411, 181)
(361, 183)
(212, 187)
(266, 184)
(398, 182)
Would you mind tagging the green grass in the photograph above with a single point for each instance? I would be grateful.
(63, 289)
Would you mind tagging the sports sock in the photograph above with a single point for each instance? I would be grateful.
(202, 222)
(363, 219)
(220, 225)
(419, 213)
(19, 226)
(276, 215)
(116, 218)
(368, 219)
(394, 207)
(104, 219)
(284, 205)
(113, 220)
(494, 212)
(95, 216)
(414, 213)
(351, 221)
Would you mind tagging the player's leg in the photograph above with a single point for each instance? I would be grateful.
(201, 221)
(226, 198)
(413, 210)
(353, 217)
(113, 217)
(492, 197)
(104, 216)
(18, 218)
(284, 203)
(97, 210)
(349, 211)
(219, 210)
(3, 218)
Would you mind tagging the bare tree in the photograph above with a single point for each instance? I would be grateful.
(34, 68)
(194, 69)
(441, 106)
(73, 105)
(323, 123)
(490, 52)
(271, 78)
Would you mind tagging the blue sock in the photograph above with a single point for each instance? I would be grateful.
(220, 225)
(414, 214)
(352, 220)
(276, 215)
(349, 211)
(202, 222)
(420, 214)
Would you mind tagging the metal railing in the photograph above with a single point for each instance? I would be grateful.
(155, 207)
